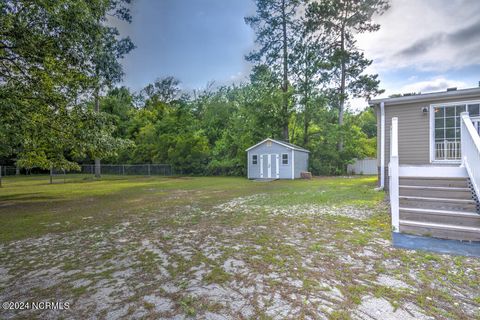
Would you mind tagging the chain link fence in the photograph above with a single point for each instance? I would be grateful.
(131, 169)
(107, 169)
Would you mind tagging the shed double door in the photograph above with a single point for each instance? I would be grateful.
(269, 166)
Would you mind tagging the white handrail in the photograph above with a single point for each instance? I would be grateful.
(471, 151)
(393, 173)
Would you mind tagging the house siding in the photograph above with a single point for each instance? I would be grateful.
(413, 132)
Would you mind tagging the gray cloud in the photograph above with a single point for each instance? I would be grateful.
(435, 86)
(423, 45)
(431, 85)
(464, 36)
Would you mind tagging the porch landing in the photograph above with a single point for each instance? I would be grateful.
(446, 246)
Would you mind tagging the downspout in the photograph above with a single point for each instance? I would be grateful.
(382, 146)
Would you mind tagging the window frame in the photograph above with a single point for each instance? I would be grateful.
(254, 158)
(288, 159)
(432, 128)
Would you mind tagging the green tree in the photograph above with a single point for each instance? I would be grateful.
(275, 24)
(46, 53)
(109, 47)
(342, 20)
(309, 63)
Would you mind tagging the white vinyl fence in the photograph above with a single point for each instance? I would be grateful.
(363, 166)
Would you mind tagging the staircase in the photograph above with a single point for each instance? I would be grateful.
(440, 207)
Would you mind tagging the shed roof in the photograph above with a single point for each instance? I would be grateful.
(283, 143)
(442, 95)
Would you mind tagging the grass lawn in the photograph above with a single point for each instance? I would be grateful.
(218, 247)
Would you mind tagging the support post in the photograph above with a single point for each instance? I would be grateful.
(98, 170)
(393, 176)
(382, 145)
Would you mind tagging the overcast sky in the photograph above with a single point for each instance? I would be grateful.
(423, 45)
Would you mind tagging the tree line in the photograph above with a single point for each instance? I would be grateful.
(60, 106)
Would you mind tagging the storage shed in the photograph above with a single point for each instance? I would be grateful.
(274, 159)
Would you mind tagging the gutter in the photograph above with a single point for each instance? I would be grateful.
(464, 93)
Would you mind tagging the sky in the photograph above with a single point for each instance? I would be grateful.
(422, 45)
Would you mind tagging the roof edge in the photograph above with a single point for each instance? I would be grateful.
(278, 142)
(427, 96)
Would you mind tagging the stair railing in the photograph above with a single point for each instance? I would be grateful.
(471, 151)
(393, 172)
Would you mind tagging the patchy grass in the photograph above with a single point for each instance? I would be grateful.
(31, 207)
(209, 246)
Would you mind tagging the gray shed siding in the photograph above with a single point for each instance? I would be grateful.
(285, 170)
(301, 162)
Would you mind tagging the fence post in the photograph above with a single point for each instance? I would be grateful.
(123, 169)
(51, 175)
(148, 166)
(394, 176)
(0, 176)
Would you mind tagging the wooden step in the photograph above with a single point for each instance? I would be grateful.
(439, 230)
(434, 182)
(436, 192)
(458, 218)
(468, 205)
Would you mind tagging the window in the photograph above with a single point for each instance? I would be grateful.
(254, 159)
(446, 134)
(285, 158)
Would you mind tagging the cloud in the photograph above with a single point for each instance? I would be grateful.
(422, 46)
(432, 85)
(466, 36)
(435, 36)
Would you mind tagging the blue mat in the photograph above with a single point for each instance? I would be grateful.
(455, 247)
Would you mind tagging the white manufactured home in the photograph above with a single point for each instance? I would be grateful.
(275, 159)
(429, 160)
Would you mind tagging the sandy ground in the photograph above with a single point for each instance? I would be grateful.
(238, 260)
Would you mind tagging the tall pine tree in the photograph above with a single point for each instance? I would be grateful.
(275, 24)
(342, 20)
